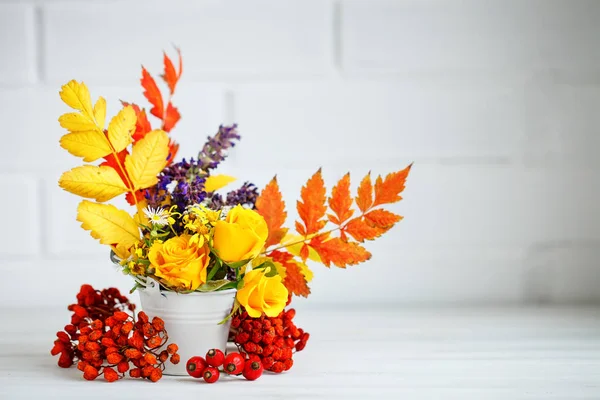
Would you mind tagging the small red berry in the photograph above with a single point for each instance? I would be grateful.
(211, 374)
(253, 370)
(234, 363)
(175, 358)
(196, 366)
(215, 357)
(172, 348)
(110, 374)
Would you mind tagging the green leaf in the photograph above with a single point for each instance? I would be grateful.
(212, 286)
(240, 285)
(238, 264)
(214, 269)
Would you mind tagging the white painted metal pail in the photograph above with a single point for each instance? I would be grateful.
(191, 320)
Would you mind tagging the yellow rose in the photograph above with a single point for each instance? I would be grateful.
(241, 236)
(179, 263)
(261, 293)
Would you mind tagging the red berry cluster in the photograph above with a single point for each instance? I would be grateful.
(270, 340)
(105, 340)
(233, 364)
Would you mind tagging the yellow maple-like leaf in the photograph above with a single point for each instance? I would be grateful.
(148, 158)
(121, 128)
(91, 145)
(216, 182)
(108, 224)
(305, 270)
(100, 112)
(92, 182)
(76, 95)
(295, 248)
(77, 122)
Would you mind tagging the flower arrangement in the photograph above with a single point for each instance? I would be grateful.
(188, 237)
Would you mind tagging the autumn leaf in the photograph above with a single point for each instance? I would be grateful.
(338, 252)
(77, 122)
(173, 149)
(364, 198)
(312, 207)
(107, 223)
(142, 125)
(271, 206)
(77, 96)
(91, 145)
(170, 76)
(90, 181)
(216, 182)
(148, 158)
(382, 219)
(152, 94)
(121, 128)
(360, 230)
(295, 280)
(388, 190)
(100, 112)
(171, 118)
(340, 201)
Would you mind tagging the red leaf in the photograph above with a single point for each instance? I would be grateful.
(340, 201)
(152, 94)
(312, 207)
(388, 190)
(111, 161)
(361, 230)
(338, 252)
(170, 75)
(173, 149)
(271, 206)
(142, 125)
(171, 118)
(364, 199)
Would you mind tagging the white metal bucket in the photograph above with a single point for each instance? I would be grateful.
(191, 320)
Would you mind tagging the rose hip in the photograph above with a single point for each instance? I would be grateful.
(196, 366)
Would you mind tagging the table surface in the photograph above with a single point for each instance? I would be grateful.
(445, 353)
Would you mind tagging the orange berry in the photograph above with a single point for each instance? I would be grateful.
(155, 375)
(96, 324)
(90, 373)
(172, 348)
(81, 365)
(110, 374)
(135, 373)
(133, 354)
(158, 324)
(123, 366)
(110, 350)
(121, 316)
(114, 358)
(147, 370)
(95, 335)
(127, 327)
(142, 316)
(164, 356)
(154, 342)
(150, 358)
(175, 358)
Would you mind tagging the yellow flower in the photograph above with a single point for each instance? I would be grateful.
(179, 263)
(261, 293)
(241, 236)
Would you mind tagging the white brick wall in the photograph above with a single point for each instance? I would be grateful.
(496, 102)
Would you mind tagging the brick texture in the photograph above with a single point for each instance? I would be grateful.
(495, 102)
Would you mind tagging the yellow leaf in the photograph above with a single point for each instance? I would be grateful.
(121, 128)
(295, 248)
(99, 183)
(76, 95)
(216, 182)
(90, 145)
(148, 158)
(308, 274)
(77, 122)
(109, 224)
(281, 271)
(100, 112)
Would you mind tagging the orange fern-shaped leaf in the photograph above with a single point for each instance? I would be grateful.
(294, 281)
(312, 208)
(271, 206)
(170, 76)
(364, 199)
(340, 201)
(382, 219)
(171, 117)
(388, 190)
(360, 230)
(338, 252)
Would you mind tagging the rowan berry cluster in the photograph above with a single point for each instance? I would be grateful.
(270, 340)
(104, 340)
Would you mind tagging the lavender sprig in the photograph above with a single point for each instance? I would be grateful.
(215, 149)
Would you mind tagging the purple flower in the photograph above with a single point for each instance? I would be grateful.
(215, 149)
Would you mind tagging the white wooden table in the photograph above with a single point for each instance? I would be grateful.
(488, 353)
